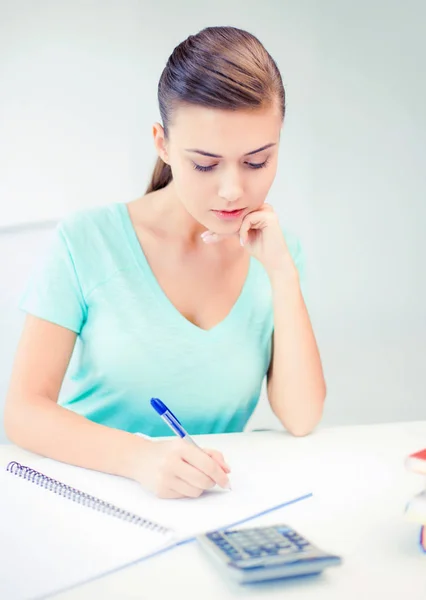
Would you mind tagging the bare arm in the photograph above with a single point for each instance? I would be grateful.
(296, 386)
(34, 420)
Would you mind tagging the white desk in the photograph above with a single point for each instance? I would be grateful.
(359, 487)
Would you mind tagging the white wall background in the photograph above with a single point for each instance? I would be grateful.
(77, 100)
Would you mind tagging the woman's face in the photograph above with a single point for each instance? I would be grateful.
(223, 162)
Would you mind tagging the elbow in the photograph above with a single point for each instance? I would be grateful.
(10, 426)
(12, 420)
(300, 429)
(301, 424)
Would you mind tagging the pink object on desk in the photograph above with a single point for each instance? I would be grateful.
(417, 462)
(423, 538)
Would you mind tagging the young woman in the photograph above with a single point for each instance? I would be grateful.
(190, 294)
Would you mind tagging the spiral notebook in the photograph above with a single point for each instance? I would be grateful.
(61, 526)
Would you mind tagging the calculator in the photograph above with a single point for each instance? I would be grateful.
(265, 553)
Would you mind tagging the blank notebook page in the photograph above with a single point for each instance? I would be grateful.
(49, 542)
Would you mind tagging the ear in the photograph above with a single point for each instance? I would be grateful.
(160, 142)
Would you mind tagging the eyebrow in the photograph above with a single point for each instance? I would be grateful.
(203, 153)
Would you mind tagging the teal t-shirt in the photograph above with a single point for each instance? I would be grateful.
(133, 344)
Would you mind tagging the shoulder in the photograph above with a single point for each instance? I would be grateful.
(99, 221)
(95, 240)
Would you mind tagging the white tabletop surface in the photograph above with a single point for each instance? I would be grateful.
(360, 488)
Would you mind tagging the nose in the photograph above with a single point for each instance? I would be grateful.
(230, 187)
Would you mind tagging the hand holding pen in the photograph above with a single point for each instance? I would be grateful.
(176, 426)
(178, 468)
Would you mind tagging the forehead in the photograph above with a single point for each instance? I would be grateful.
(224, 132)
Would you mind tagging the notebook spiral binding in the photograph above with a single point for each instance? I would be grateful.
(75, 495)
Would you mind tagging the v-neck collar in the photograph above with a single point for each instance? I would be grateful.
(174, 313)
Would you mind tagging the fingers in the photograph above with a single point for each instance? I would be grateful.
(257, 219)
(185, 489)
(218, 457)
(206, 464)
(193, 476)
(185, 470)
(244, 229)
(169, 494)
(251, 222)
(210, 237)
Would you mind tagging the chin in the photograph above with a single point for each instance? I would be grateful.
(224, 228)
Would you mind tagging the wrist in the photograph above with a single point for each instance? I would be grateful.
(284, 274)
(133, 450)
(286, 290)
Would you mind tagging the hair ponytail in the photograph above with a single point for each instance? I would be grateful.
(161, 176)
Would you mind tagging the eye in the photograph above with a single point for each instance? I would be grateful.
(257, 165)
(204, 169)
(201, 168)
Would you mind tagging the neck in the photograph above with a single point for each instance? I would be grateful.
(170, 216)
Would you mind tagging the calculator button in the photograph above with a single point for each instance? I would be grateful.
(285, 540)
(284, 530)
(227, 547)
(242, 538)
(215, 536)
(253, 552)
(268, 532)
(234, 554)
(285, 544)
(287, 550)
(307, 548)
(301, 542)
(272, 540)
(269, 548)
(246, 544)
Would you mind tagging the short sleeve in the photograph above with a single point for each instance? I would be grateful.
(54, 292)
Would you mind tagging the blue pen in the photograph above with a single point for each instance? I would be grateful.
(172, 421)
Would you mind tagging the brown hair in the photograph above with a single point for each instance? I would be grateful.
(219, 67)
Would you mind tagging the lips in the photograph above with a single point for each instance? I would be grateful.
(228, 215)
